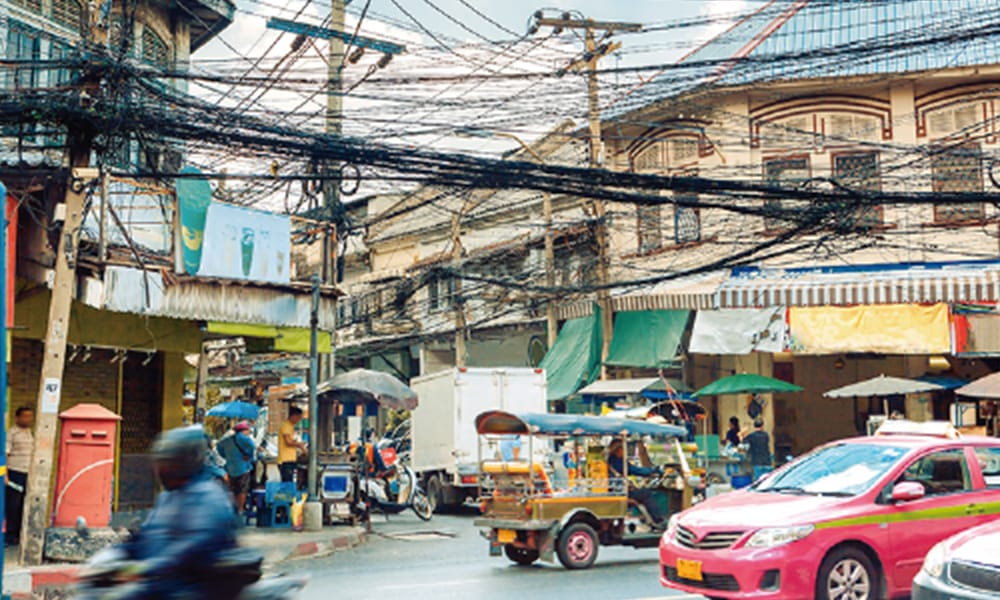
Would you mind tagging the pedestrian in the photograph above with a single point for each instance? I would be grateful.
(289, 445)
(759, 449)
(215, 465)
(240, 453)
(20, 443)
(733, 433)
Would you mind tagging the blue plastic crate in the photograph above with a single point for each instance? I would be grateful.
(279, 491)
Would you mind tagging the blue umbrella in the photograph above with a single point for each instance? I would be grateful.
(234, 410)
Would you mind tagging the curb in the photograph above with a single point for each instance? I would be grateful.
(39, 582)
(312, 549)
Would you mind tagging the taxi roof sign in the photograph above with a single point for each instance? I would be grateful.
(940, 429)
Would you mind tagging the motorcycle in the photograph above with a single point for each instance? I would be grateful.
(108, 575)
(391, 489)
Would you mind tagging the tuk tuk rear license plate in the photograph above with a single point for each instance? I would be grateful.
(689, 569)
(506, 536)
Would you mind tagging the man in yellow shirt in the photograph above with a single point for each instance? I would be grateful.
(288, 445)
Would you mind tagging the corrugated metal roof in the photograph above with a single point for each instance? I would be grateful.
(778, 39)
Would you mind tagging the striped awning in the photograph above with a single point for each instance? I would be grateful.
(761, 288)
(688, 293)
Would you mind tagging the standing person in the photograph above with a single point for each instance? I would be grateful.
(759, 443)
(240, 453)
(289, 445)
(733, 433)
(215, 464)
(20, 443)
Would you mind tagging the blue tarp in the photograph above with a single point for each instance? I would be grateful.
(948, 383)
(500, 422)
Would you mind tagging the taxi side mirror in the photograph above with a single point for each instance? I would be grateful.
(907, 491)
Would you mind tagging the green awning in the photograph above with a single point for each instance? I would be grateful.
(647, 339)
(574, 360)
(285, 339)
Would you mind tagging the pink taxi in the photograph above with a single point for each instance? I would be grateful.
(851, 520)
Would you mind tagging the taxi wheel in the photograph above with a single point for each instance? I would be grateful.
(522, 556)
(848, 574)
(577, 547)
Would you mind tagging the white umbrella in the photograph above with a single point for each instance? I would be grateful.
(883, 386)
(984, 387)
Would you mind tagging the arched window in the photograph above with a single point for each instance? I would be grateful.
(154, 49)
(68, 13)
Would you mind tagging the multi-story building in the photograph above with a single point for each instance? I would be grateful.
(868, 97)
(135, 311)
(404, 303)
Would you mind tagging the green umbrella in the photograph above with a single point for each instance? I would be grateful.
(747, 383)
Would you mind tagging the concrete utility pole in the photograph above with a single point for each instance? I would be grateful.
(79, 141)
(595, 51)
(456, 301)
(334, 126)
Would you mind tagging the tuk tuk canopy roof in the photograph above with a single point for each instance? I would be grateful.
(500, 422)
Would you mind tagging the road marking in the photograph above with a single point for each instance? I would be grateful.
(681, 597)
(409, 586)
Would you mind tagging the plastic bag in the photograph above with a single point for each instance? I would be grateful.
(298, 508)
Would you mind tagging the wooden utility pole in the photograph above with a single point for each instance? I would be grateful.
(595, 51)
(36, 503)
(79, 141)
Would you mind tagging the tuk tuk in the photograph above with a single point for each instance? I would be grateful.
(538, 503)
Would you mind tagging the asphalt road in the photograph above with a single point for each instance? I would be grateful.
(446, 558)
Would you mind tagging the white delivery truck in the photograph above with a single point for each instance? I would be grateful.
(444, 439)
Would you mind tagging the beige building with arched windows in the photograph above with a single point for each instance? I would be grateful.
(822, 96)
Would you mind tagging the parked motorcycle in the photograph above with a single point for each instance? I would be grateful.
(237, 576)
(394, 491)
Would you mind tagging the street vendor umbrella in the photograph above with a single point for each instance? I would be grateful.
(234, 410)
(883, 386)
(382, 387)
(747, 383)
(984, 387)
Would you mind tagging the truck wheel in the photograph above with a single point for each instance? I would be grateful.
(433, 488)
(522, 556)
(577, 546)
(848, 574)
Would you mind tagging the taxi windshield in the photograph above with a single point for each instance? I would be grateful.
(839, 470)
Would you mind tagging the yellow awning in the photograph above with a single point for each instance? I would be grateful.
(883, 328)
(286, 339)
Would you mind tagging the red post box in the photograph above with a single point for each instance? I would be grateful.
(85, 476)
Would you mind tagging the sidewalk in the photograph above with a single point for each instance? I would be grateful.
(49, 582)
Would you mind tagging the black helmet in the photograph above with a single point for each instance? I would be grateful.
(179, 454)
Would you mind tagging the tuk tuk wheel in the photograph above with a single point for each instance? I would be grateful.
(577, 546)
(522, 556)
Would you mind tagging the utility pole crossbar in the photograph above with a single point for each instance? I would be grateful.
(594, 51)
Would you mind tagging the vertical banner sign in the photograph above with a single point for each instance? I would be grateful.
(10, 273)
(194, 195)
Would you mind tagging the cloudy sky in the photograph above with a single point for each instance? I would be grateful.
(448, 37)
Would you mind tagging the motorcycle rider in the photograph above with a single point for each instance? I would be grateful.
(189, 529)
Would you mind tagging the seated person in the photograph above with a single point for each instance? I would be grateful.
(616, 465)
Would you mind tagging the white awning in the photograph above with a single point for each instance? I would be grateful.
(795, 287)
(618, 387)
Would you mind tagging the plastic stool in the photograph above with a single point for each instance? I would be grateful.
(281, 515)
